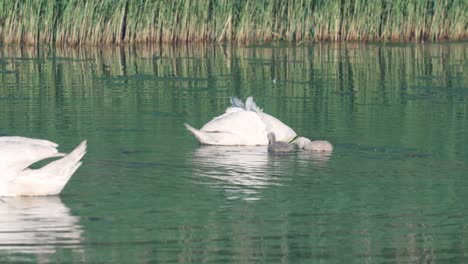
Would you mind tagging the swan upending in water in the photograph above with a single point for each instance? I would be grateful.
(242, 124)
(278, 146)
(18, 153)
(316, 145)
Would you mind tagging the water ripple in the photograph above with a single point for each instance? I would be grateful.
(37, 225)
(240, 171)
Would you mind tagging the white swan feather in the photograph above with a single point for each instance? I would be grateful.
(18, 153)
(242, 124)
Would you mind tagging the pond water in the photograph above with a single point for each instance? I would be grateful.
(393, 190)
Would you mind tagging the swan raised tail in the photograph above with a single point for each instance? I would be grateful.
(251, 105)
(16, 179)
(202, 136)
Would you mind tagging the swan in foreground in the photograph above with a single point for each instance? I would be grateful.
(242, 124)
(278, 146)
(18, 153)
(316, 145)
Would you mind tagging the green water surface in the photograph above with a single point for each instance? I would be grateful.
(395, 188)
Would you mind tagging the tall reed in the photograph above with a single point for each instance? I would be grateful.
(76, 22)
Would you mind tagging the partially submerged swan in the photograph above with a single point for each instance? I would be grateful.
(18, 153)
(278, 146)
(316, 145)
(242, 124)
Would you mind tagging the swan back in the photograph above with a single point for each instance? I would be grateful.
(272, 124)
(236, 127)
(16, 155)
(25, 140)
(242, 124)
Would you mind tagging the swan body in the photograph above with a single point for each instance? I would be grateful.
(278, 146)
(18, 153)
(316, 145)
(242, 124)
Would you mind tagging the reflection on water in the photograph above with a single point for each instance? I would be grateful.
(319, 159)
(329, 91)
(37, 225)
(241, 171)
(394, 188)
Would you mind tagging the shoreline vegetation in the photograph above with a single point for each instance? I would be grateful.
(97, 22)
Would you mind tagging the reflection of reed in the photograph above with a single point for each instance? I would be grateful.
(312, 83)
(37, 225)
(347, 68)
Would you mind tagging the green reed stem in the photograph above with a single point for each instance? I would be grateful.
(75, 22)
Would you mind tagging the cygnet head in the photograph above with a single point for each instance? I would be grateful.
(271, 138)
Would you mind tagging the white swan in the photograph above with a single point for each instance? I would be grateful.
(278, 146)
(316, 145)
(18, 153)
(242, 124)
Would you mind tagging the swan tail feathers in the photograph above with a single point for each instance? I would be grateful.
(202, 137)
(251, 105)
(63, 169)
(236, 102)
(52, 178)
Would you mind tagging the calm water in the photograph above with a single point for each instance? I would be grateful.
(394, 190)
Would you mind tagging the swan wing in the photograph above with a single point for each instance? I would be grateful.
(25, 140)
(16, 155)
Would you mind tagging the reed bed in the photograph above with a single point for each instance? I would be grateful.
(92, 22)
